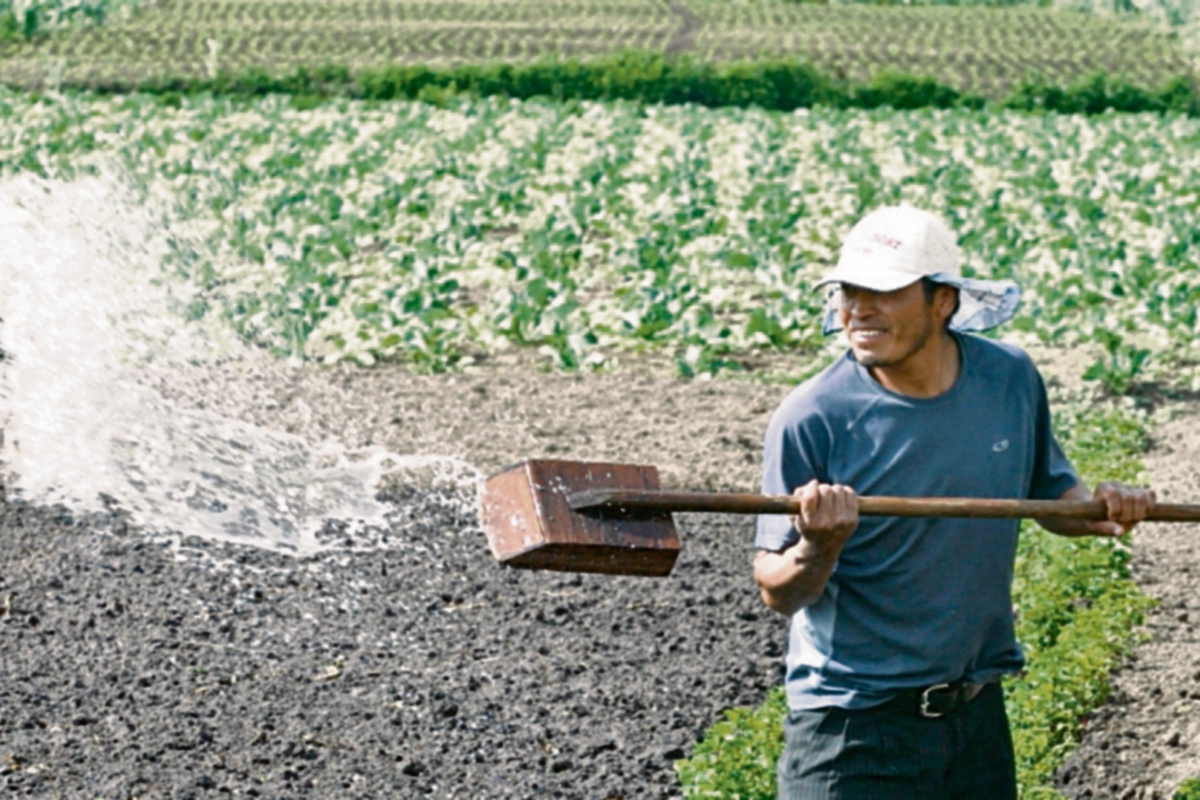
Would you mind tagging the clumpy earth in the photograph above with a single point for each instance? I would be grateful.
(134, 667)
(138, 666)
(422, 669)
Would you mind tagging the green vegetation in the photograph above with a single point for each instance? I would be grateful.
(1173, 12)
(28, 20)
(1076, 606)
(976, 51)
(984, 51)
(1188, 790)
(442, 236)
(780, 85)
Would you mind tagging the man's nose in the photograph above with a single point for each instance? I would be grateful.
(857, 303)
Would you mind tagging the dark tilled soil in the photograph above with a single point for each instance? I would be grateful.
(132, 668)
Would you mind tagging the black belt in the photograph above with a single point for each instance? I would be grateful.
(938, 700)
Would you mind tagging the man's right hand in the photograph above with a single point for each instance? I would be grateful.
(828, 515)
(795, 577)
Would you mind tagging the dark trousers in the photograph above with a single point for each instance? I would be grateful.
(886, 753)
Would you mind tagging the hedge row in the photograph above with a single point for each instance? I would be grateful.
(781, 85)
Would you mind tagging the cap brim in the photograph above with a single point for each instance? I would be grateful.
(870, 277)
(982, 304)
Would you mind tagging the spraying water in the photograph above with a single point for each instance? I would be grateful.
(90, 321)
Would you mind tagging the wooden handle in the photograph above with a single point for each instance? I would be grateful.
(627, 502)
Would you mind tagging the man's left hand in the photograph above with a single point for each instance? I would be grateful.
(1127, 506)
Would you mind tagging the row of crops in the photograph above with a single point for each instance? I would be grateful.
(981, 50)
(984, 51)
(442, 236)
(28, 19)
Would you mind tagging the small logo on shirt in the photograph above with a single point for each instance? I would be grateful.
(1000, 446)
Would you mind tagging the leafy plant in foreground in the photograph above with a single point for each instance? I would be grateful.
(1124, 363)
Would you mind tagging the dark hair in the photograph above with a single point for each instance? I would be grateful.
(929, 286)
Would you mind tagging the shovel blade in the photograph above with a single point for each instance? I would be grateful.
(530, 525)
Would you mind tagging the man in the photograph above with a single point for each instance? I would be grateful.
(901, 628)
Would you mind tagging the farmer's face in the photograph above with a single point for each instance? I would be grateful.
(886, 329)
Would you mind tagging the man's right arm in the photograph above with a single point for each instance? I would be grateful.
(795, 577)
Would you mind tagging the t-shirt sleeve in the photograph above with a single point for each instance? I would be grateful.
(1052, 472)
(789, 460)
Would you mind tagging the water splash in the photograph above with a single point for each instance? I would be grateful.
(90, 321)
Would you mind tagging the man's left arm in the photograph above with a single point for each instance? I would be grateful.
(1127, 506)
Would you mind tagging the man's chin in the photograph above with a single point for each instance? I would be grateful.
(870, 358)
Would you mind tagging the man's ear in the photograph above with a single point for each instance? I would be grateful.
(945, 301)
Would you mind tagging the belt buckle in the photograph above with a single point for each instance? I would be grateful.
(925, 711)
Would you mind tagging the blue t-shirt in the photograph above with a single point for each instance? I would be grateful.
(912, 602)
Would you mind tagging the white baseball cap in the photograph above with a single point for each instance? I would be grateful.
(896, 246)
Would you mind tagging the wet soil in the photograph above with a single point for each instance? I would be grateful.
(134, 667)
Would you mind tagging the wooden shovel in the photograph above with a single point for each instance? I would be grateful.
(577, 516)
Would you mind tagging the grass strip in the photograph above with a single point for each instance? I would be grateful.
(1076, 605)
(773, 84)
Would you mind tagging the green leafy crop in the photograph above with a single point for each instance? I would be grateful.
(440, 236)
(32, 19)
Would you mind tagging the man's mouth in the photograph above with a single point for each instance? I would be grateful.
(867, 335)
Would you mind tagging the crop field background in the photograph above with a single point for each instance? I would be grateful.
(984, 51)
(980, 50)
(440, 236)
